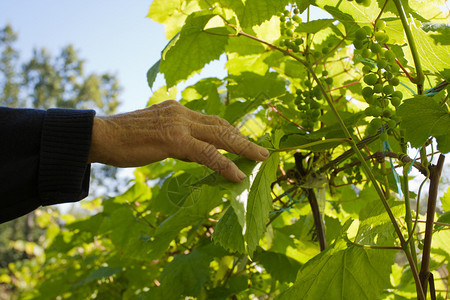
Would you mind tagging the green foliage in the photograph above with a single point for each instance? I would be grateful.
(335, 102)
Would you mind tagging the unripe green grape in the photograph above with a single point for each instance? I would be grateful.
(325, 50)
(378, 88)
(380, 25)
(289, 32)
(297, 19)
(358, 44)
(383, 136)
(381, 64)
(387, 113)
(329, 80)
(377, 111)
(371, 100)
(371, 79)
(369, 111)
(286, 12)
(394, 81)
(368, 29)
(298, 41)
(389, 55)
(295, 48)
(388, 89)
(392, 123)
(360, 34)
(315, 105)
(388, 75)
(375, 48)
(366, 53)
(316, 113)
(397, 94)
(308, 83)
(296, 11)
(377, 123)
(367, 92)
(381, 37)
(366, 69)
(283, 19)
(289, 24)
(395, 68)
(366, 3)
(324, 73)
(395, 101)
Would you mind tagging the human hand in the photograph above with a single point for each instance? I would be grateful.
(169, 129)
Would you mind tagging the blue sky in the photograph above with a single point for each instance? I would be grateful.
(112, 36)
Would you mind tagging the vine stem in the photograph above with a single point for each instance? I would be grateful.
(306, 146)
(408, 215)
(435, 175)
(420, 78)
(320, 230)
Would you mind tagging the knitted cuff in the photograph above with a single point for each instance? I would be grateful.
(63, 169)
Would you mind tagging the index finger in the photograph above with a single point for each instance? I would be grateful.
(229, 139)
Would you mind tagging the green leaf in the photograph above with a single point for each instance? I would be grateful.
(423, 117)
(228, 232)
(342, 272)
(102, 272)
(314, 26)
(444, 218)
(152, 73)
(279, 266)
(197, 206)
(184, 276)
(193, 49)
(173, 13)
(375, 227)
(162, 94)
(254, 12)
(259, 203)
(445, 200)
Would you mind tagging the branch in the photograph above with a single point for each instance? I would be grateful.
(435, 175)
(317, 218)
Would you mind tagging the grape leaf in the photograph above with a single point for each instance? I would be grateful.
(423, 117)
(280, 266)
(375, 227)
(185, 275)
(254, 12)
(193, 49)
(314, 26)
(152, 73)
(198, 205)
(228, 232)
(259, 203)
(173, 13)
(342, 272)
(445, 200)
(102, 272)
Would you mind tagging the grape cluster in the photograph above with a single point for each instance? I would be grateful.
(289, 21)
(308, 101)
(380, 75)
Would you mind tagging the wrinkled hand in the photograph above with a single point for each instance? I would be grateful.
(167, 130)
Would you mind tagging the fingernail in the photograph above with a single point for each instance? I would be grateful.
(264, 152)
(241, 175)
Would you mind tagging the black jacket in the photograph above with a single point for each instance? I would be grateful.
(43, 158)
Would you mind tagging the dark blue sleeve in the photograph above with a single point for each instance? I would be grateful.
(43, 158)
